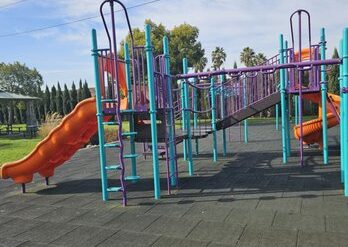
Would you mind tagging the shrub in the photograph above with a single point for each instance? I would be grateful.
(52, 120)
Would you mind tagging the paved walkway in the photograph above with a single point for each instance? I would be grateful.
(247, 198)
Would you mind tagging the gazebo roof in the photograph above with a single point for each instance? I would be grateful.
(12, 96)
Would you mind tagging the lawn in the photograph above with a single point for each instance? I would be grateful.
(14, 148)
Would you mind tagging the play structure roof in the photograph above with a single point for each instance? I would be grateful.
(12, 96)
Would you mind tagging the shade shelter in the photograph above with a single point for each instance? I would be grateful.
(31, 121)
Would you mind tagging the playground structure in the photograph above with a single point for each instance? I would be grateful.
(140, 90)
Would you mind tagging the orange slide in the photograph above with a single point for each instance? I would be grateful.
(312, 130)
(70, 135)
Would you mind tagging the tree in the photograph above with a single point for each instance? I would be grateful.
(183, 43)
(218, 57)
(40, 105)
(247, 56)
(250, 58)
(86, 93)
(47, 100)
(333, 75)
(53, 104)
(259, 59)
(59, 100)
(200, 65)
(73, 95)
(18, 78)
(235, 65)
(80, 91)
(157, 34)
(66, 100)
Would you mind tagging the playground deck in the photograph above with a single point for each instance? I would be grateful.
(245, 199)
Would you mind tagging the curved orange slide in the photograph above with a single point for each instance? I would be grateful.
(312, 130)
(70, 135)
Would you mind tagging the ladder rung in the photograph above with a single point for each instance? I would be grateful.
(112, 145)
(114, 189)
(130, 156)
(113, 167)
(127, 111)
(129, 133)
(131, 178)
(111, 123)
(109, 100)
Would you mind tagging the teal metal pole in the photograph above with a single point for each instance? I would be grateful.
(324, 96)
(246, 134)
(171, 121)
(213, 118)
(152, 101)
(187, 119)
(100, 117)
(344, 110)
(130, 106)
(195, 115)
(287, 107)
(222, 106)
(277, 116)
(342, 129)
(283, 99)
(183, 115)
(296, 108)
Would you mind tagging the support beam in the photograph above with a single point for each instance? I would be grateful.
(283, 100)
(171, 120)
(152, 102)
(100, 117)
(323, 86)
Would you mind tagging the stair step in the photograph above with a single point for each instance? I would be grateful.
(112, 145)
(129, 133)
(114, 189)
(113, 167)
(130, 156)
(131, 178)
(109, 100)
(111, 123)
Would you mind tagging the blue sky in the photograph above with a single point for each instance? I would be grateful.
(63, 53)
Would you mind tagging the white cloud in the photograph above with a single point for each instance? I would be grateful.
(7, 2)
(230, 24)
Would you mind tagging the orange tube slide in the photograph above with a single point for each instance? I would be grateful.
(312, 130)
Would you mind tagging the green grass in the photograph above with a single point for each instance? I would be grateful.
(14, 148)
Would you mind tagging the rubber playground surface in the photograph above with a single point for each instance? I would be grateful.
(248, 198)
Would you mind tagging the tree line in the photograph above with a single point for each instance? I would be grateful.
(19, 79)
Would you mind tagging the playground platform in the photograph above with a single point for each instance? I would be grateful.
(248, 198)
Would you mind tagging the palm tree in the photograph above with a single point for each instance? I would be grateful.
(259, 59)
(218, 57)
(247, 56)
(200, 65)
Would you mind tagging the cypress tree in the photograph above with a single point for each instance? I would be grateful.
(40, 104)
(59, 100)
(235, 65)
(53, 104)
(333, 74)
(73, 95)
(47, 100)
(79, 93)
(66, 101)
(86, 93)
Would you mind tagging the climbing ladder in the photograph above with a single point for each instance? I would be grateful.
(111, 77)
